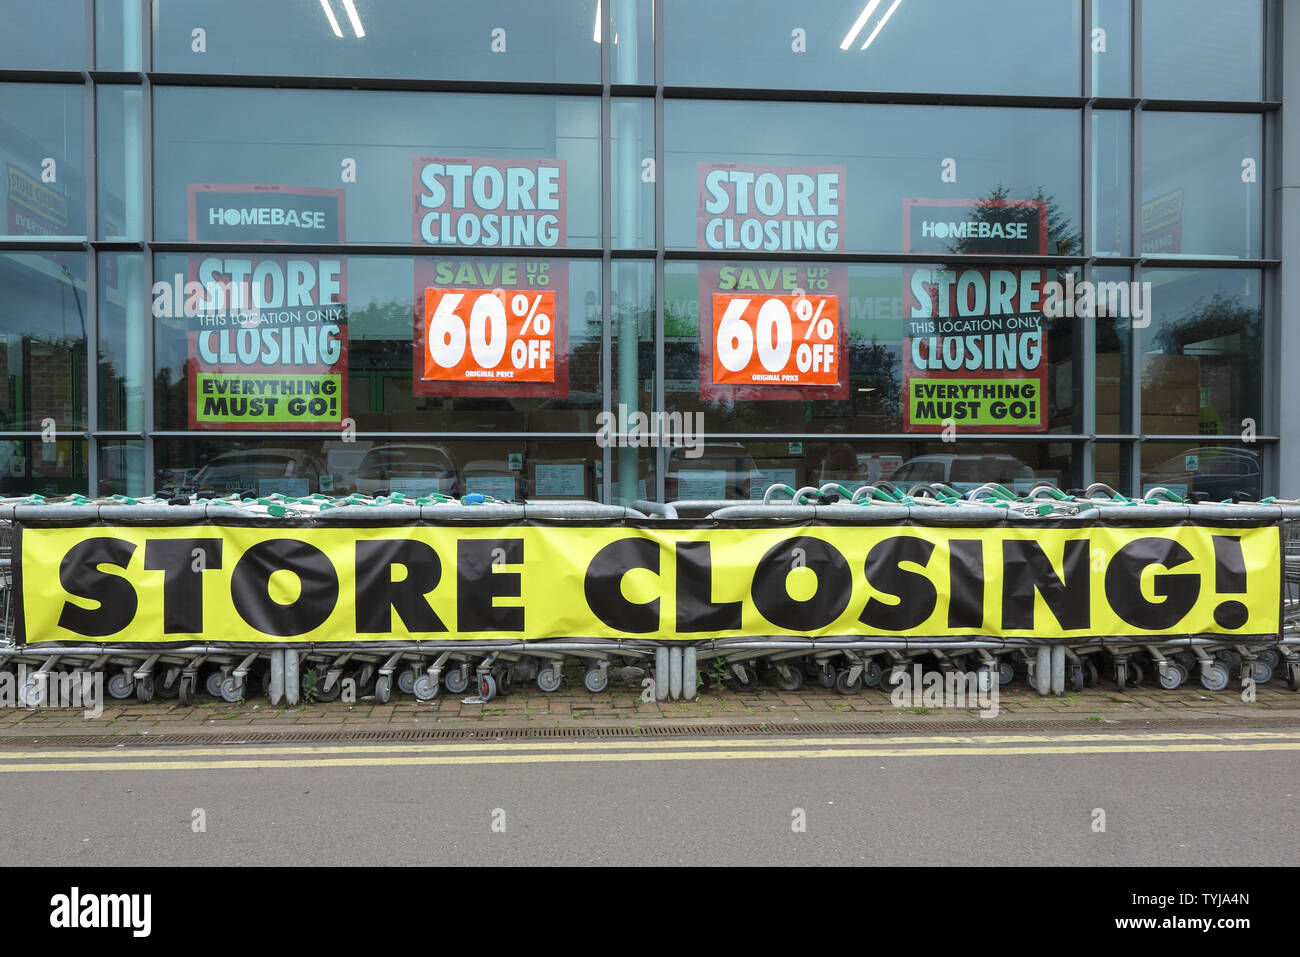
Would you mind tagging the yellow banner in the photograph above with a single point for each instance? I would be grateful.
(236, 584)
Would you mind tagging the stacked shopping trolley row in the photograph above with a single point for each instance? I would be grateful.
(492, 665)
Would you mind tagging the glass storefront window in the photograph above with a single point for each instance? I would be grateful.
(1112, 465)
(632, 56)
(425, 168)
(350, 327)
(51, 469)
(1202, 354)
(1029, 46)
(1202, 49)
(1110, 47)
(117, 35)
(43, 341)
(121, 186)
(632, 371)
(888, 179)
(509, 469)
(1112, 383)
(632, 151)
(797, 360)
(1112, 183)
(43, 154)
(123, 326)
(488, 40)
(1216, 469)
(121, 468)
(746, 469)
(1202, 182)
(43, 36)
(909, 347)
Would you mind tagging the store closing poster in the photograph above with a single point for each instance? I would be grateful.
(974, 346)
(268, 343)
(490, 326)
(771, 331)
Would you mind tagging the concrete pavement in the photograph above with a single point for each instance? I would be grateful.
(621, 707)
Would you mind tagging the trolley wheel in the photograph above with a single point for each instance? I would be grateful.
(383, 688)
(213, 684)
(505, 679)
(1135, 674)
(322, 694)
(1076, 677)
(456, 681)
(1261, 671)
(1186, 659)
(144, 689)
(185, 691)
(871, 675)
(811, 669)
(1090, 672)
(748, 683)
(826, 675)
(1172, 676)
(32, 693)
(792, 680)
(165, 689)
(1216, 677)
(594, 682)
(425, 688)
(121, 685)
(1121, 675)
(1006, 672)
(844, 686)
(232, 690)
(406, 681)
(549, 680)
(487, 687)
(1293, 676)
(1271, 656)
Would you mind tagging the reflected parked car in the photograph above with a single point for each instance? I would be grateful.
(412, 468)
(262, 472)
(962, 472)
(1220, 470)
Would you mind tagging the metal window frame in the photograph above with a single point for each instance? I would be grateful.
(1269, 108)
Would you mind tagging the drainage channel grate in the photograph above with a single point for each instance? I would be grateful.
(643, 731)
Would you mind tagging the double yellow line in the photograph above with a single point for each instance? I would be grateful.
(216, 758)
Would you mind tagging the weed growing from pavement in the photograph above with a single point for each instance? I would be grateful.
(310, 691)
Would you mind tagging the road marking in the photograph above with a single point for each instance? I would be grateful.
(570, 758)
(694, 743)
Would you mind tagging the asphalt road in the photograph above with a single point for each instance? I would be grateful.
(1194, 798)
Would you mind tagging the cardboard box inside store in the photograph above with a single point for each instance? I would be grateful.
(1170, 386)
(1109, 368)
